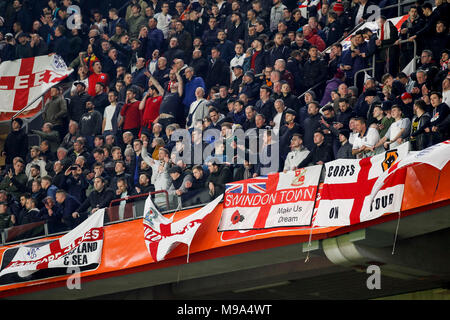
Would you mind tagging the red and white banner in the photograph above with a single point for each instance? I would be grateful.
(348, 184)
(372, 25)
(437, 156)
(278, 200)
(24, 80)
(81, 247)
(162, 235)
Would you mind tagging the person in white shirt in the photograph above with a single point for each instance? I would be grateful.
(397, 132)
(238, 59)
(160, 168)
(164, 19)
(277, 118)
(364, 142)
(297, 154)
(198, 109)
(108, 114)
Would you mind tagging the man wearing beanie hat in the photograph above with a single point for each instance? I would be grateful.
(345, 150)
(407, 105)
(16, 143)
(178, 181)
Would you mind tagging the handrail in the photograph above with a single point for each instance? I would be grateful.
(372, 68)
(415, 50)
(399, 5)
(312, 88)
(141, 196)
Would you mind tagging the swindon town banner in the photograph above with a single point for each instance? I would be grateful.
(81, 247)
(278, 200)
(346, 195)
(22, 81)
(162, 235)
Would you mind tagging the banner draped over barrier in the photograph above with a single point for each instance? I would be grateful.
(278, 200)
(80, 247)
(348, 183)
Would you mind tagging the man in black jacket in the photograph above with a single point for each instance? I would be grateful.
(78, 98)
(311, 124)
(218, 71)
(314, 70)
(219, 175)
(98, 199)
(16, 143)
(320, 153)
(59, 217)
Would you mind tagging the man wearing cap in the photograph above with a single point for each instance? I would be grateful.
(16, 143)
(179, 179)
(320, 153)
(345, 149)
(23, 47)
(78, 99)
(238, 75)
(407, 105)
(372, 99)
(250, 87)
(297, 154)
(219, 176)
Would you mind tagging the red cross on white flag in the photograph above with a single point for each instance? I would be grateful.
(24, 80)
(162, 234)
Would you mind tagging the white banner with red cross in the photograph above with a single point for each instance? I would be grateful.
(162, 235)
(348, 184)
(81, 247)
(277, 200)
(22, 81)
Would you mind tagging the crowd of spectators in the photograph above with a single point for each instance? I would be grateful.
(146, 69)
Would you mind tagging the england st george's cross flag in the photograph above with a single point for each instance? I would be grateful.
(280, 199)
(346, 193)
(22, 81)
(436, 156)
(162, 234)
(82, 246)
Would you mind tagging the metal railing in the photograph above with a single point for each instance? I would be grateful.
(38, 230)
(372, 67)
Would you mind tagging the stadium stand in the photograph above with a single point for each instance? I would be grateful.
(309, 79)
